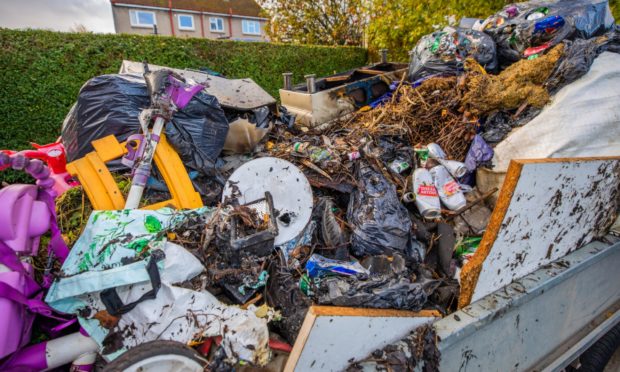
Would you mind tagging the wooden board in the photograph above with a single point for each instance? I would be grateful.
(333, 337)
(546, 209)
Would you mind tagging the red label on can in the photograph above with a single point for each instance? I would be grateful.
(427, 190)
(451, 188)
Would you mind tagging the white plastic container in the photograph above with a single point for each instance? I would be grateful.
(448, 189)
(456, 168)
(426, 195)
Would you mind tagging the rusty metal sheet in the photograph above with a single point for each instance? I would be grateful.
(546, 209)
(240, 94)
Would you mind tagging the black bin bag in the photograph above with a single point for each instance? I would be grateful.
(443, 52)
(526, 29)
(111, 104)
(380, 223)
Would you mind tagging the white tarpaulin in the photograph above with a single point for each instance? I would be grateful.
(582, 120)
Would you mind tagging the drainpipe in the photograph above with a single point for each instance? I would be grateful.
(230, 22)
(170, 13)
(202, 25)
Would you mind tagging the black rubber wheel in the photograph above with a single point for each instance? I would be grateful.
(597, 356)
(134, 359)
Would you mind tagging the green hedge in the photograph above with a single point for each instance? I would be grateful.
(41, 72)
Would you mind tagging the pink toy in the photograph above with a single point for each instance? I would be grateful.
(28, 212)
(55, 156)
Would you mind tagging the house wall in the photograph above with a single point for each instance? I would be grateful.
(238, 34)
(122, 25)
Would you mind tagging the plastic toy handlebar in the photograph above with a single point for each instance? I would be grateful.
(55, 157)
(34, 167)
(168, 93)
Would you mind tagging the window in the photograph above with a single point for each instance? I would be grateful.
(186, 22)
(140, 18)
(216, 24)
(250, 27)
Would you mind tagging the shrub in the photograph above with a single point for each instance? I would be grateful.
(42, 71)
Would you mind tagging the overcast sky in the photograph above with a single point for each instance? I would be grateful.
(60, 15)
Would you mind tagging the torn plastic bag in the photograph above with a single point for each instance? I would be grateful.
(496, 127)
(478, 154)
(304, 238)
(247, 130)
(330, 231)
(123, 255)
(377, 292)
(285, 118)
(378, 220)
(499, 124)
(578, 57)
(384, 265)
(318, 265)
(525, 29)
(444, 52)
(111, 104)
(416, 251)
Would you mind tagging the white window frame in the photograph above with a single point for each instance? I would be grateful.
(245, 27)
(217, 20)
(183, 28)
(134, 19)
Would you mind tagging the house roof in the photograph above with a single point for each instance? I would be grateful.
(239, 7)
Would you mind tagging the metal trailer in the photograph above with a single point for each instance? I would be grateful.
(541, 322)
(532, 298)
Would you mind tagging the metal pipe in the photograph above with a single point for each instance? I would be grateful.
(288, 77)
(171, 18)
(311, 83)
(202, 25)
(230, 15)
(384, 53)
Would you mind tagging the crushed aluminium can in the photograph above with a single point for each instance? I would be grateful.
(467, 247)
(318, 265)
(435, 151)
(354, 155)
(306, 283)
(421, 154)
(316, 154)
(399, 166)
(456, 168)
